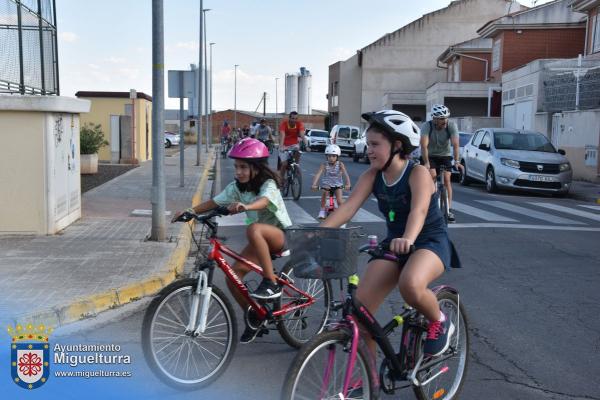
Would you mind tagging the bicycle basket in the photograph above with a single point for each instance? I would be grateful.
(323, 253)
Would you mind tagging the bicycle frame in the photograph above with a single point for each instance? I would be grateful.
(217, 249)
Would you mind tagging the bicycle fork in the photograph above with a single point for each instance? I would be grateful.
(200, 301)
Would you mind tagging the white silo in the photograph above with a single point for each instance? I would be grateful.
(291, 93)
(304, 91)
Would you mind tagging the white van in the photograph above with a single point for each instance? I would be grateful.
(344, 136)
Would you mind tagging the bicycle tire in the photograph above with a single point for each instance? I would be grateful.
(178, 295)
(304, 377)
(285, 187)
(296, 183)
(444, 204)
(300, 326)
(455, 377)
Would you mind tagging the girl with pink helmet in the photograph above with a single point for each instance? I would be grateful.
(255, 191)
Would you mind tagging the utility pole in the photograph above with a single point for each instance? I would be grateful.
(264, 104)
(199, 93)
(206, 83)
(211, 90)
(276, 112)
(235, 95)
(157, 197)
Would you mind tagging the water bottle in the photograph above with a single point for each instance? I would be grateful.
(372, 241)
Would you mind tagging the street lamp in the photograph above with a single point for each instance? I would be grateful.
(199, 94)
(276, 112)
(235, 95)
(211, 90)
(205, 80)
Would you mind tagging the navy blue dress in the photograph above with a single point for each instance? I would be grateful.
(394, 203)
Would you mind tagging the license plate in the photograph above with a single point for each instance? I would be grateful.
(538, 178)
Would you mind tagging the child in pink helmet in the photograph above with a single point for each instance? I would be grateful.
(255, 191)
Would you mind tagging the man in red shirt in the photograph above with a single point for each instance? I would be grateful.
(290, 134)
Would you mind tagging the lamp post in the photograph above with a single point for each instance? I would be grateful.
(235, 95)
(211, 90)
(205, 81)
(199, 93)
(276, 112)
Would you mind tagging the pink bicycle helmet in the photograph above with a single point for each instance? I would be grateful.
(249, 149)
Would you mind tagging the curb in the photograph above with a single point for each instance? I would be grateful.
(113, 298)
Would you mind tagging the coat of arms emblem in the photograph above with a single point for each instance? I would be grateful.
(30, 355)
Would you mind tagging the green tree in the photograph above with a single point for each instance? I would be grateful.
(91, 138)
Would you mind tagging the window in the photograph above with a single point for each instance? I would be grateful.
(596, 33)
(496, 55)
(487, 140)
(477, 138)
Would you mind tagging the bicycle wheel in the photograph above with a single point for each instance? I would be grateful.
(296, 183)
(298, 327)
(444, 204)
(180, 360)
(447, 385)
(285, 185)
(318, 370)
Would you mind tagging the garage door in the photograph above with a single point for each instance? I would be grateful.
(523, 115)
(508, 116)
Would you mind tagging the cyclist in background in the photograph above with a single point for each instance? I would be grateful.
(406, 196)
(436, 137)
(290, 134)
(333, 170)
(264, 132)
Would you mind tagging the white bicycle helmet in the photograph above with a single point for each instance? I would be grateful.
(440, 111)
(399, 125)
(333, 149)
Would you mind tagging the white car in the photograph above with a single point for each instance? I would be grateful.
(316, 139)
(360, 148)
(171, 139)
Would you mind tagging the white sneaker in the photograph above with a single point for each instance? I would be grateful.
(322, 214)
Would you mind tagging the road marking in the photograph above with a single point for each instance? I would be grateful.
(233, 220)
(596, 208)
(524, 226)
(530, 213)
(298, 215)
(363, 215)
(568, 210)
(145, 213)
(481, 214)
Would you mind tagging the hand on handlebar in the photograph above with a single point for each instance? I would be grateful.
(177, 216)
(400, 246)
(314, 188)
(235, 208)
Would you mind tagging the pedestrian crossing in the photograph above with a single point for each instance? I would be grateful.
(478, 213)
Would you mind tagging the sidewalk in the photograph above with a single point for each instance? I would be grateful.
(585, 191)
(103, 260)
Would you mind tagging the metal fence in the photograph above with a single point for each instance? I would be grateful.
(29, 47)
(570, 86)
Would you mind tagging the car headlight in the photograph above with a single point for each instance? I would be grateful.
(565, 167)
(510, 163)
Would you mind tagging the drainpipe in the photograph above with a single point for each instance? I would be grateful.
(490, 94)
(474, 58)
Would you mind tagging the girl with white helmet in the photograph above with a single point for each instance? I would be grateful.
(255, 191)
(406, 197)
(331, 173)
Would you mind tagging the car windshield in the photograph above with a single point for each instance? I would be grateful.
(323, 134)
(344, 133)
(464, 139)
(523, 141)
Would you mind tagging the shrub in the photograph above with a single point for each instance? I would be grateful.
(91, 138)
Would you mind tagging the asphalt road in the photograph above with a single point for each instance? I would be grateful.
(529, 284)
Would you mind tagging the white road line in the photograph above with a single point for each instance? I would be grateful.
(524, 226)
(233, 220)
(298, 215)
(530, 213)
(568, 210)
(481, 214)
(596, 208)
(363, 215)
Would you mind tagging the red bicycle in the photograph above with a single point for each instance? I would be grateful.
(330, 207)
(189, 332)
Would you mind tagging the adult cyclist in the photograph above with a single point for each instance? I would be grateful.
(437, 136)
(291, 132)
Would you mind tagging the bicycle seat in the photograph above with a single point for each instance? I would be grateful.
(280, 254)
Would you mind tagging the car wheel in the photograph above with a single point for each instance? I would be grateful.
(490, 181)
(167, 143)
(464, 179)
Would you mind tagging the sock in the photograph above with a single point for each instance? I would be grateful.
(442, 317)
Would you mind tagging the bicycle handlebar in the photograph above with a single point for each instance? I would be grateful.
(331, 188)
(383, 251)
(203, 218)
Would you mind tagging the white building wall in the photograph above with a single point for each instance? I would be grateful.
(402, 65)
(350, 92)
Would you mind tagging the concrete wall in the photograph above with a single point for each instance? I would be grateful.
(404, 62)
(578, 130)
(471, 124)
(350, 92)
(103, 108)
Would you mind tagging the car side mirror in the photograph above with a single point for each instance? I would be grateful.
(484, 146)
(562, 152)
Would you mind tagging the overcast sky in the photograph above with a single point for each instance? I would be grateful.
(106, 45)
